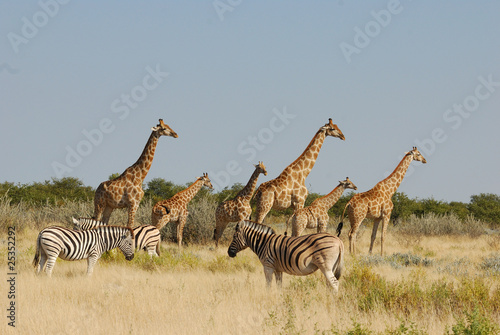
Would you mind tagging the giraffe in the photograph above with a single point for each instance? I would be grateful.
(376, 203)
(175, 208)
(126, 191)
(316, 214)
(239, 207)
(288, 189)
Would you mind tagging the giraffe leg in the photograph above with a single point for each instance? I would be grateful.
(385, 223)
(374, 233)
(98, 206)
(322, 224)
(298, 225)
(180, 229)
(106, 214)
(264, 204)
(220, 225)
(131, 214)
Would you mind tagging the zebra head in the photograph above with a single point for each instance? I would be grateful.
(239, 242)
(126, 244)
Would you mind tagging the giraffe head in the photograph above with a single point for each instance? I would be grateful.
(206, 181)
(163, 129)
(332, 130)
(417, 156)
(261, 168)
(347, 183)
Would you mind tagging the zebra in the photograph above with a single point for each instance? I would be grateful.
(71, 245)
(298, 256)
(146, 237)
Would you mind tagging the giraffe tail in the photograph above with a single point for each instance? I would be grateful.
(341, 223)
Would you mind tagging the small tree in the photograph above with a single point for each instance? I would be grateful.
(485, 207)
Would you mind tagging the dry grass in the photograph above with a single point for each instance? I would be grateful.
(200, 290)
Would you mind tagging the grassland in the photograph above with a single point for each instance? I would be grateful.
(424, 285)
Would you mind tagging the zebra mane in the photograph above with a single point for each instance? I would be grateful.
(257, 226)
(119, 227)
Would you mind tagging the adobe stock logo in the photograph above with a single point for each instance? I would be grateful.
(454, 118)
(250, 146)
(373, 28)
(31, 26)
(122, 108)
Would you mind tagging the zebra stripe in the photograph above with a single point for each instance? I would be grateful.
(298, 256)
(147, 237)
(70, 245)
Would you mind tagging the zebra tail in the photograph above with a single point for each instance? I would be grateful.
(339, 265)
(36, 259)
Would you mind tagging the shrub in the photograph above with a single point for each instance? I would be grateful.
(474, 324)
(200, 223)
(437, 225)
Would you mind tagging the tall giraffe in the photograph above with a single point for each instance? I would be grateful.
(376, 203)
(126, 191)
(288, 189)
(238, 208)
(316, 214)
(175, 208)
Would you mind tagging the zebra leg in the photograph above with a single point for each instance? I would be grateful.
(158, 249)
(151, 251)
(269, 275)
(51, 261)
(41, 264)
(279, 278)
(91, 261)
(330, 278)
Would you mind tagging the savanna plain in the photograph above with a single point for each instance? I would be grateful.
(446, 282)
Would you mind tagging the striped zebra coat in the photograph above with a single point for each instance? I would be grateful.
(146, 237)
(298, 256)
(70, 245)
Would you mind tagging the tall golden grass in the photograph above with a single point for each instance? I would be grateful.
(425, 284)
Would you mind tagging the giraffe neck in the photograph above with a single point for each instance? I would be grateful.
(247, 192)
(143, 164)
(305, 162)
(393, 181)
(188, 194)
(330, 199)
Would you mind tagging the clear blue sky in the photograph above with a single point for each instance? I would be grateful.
(391, 75)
